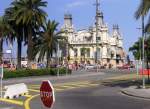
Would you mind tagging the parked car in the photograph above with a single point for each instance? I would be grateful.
(90, 66)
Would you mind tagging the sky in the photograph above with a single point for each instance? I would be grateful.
(119, 12)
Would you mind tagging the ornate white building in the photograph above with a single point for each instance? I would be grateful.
(87, 47)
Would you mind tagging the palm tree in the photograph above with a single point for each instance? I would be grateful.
(5, 34)
(17, 30)
(47, 41)
(1, 38)
(30, 14)
(143, 10)
(136, 49)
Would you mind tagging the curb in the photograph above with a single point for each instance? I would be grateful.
(132, 95)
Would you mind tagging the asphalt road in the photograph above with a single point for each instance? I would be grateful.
(98, 98)
(82, 90)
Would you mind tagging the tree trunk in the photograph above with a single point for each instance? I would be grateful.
(48, 60)
(30, 47)
(19, 42)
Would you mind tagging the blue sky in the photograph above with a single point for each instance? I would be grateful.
(119, 12)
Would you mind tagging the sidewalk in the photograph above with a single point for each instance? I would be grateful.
(134, 91)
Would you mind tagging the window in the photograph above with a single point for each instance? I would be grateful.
(75, 52)
(88, 52)
(98, 38)
(98, 53)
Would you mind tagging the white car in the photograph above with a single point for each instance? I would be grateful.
(90, 66)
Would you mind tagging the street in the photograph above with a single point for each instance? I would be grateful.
(82, 90)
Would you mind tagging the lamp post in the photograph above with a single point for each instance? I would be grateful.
(139, 62)
(67, 54)
(58, 54)
(143, 63)
(96, 53)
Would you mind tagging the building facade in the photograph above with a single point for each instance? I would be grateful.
(95, 44)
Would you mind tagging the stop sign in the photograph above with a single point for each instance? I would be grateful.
(47, 94)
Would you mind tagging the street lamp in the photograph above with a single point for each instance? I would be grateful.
(143, 63)
(67, 51)
(97, 10)
(58, 55)
(139, 61)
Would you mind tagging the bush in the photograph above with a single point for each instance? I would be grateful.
(34, 72)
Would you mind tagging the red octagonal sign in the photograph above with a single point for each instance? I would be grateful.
(47, 94)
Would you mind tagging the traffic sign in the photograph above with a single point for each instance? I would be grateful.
(47, 94)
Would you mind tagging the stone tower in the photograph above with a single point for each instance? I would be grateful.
(68, 20)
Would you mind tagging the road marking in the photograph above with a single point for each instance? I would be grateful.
(64, 87)
(33, 90)
(67, 87)
(56, 89)
(93, 85)
(85, 85)
(17, 102)
(83, 82)
(35, 87)
(27, 96)
(27, 102)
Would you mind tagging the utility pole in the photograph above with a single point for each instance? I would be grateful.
(143, 63)
(139, 61)
(58, 51)
(96, 53)
(67, 51)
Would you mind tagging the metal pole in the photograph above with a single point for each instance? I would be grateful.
(58, 60)
(67, 52)
(1, 88)
(140, 57)
(67, 58)
(2, 73)
(97, 4)
(143, 63)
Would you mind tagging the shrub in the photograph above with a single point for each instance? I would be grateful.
(34, 72)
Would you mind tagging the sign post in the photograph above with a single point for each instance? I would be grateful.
(1, 76)
(47, 94)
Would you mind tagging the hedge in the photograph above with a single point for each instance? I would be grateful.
(34, 72)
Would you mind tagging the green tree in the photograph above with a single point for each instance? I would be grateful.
(5, 34)
(136, 49)
(143, 10)
(30, 14)
(48, 41)
(1, 38)
(18, 29)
